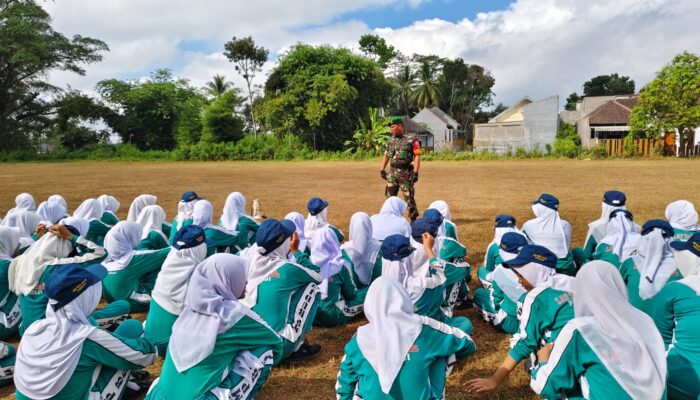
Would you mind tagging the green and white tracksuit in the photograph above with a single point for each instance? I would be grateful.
(109, 219)
(245, 233)
(680, 235)
(422, 375)
(33, 305)
(174, 227)
(135, 282)
(97, 232)
(566, 265)
(7, 363)
(154, 241)
(543, 314)
(584, 254)
(218, 376)
(344, 301)
(288, 300)
(220, 240)
(605, 252)
(676, 313)
(457, 271)
(159, 326)
(491, 259)
(10, 314)
(450, 229)
(575, 371)
(106, 362)
(497, 308)
(376, 269)
(631, 276)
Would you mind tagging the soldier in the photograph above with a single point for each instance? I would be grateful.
(403, 151)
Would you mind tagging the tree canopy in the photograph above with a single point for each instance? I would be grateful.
(606, 85)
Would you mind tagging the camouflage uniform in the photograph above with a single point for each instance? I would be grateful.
(401, 150)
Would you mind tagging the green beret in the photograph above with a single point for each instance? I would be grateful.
(395, 120)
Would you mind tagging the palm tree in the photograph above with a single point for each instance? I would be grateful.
(217, 86)
(427, 92)
(405, 84)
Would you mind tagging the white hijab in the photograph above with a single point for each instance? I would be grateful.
(362, 249)
(298, 220)
(211, 307)
(9, 240)
(261, 265)
(540, 276)
(26, 223)
(547, 230)
(51, 212)
(51, 347)
(57, 198)
(656, 263)
(622, 236)
(391, 331)
(599, 228)
(26, 270)
(203, 214)
(121, 242)
(508, 282)
(681, 215)
(443, 207)
(90, 209)
(234, 209)
(81, 224)
(314, 223)
(405, 273)
(23, 201)
(390, 220)
(625, 339)
(325, 254)
(139, 203)
(109, 204)
(184, 212)
(171, 284)
(151, 219)
(689, 265)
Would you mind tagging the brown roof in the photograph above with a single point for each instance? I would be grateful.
(614, 112)
(410, 126)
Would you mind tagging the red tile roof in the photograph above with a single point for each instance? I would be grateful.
(614, 112)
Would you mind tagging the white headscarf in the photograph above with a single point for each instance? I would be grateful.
(547, 230)
(362, 249)
(9, 240)
(314, 223)
(57, 198)
(139, 203)
(681, 214)
(211, 307)
(234, 209)
(625, 339)
(109, 204)
(656, 263)
(622, 236)
(599, 228)
(23, 201)
(390, 220)
(391, 331)
(51, 347)
(261, 266)
(51, 212)
(689, 265)
(325, 254)
(404, 272)
(203, 214)
(184, 212)
(540, 276)
(443, 207)
(171, 284)
(26, 223)
(90, 209)
(121, 242)
(151, 219)
(508, 282)
(26, 270)
(81, 224)
(298, 220)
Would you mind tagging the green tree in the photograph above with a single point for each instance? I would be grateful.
(248, 59)
(321, 92)
(74, 112)
(571, 101)
(29, 49)
(221, 123)
(427, 93)
(149, 111)
(671, 101)
(370, 137)
(377, 49)
(607, 85)
(465, 89)
(404, 86)
(217, 86)
(188, 130)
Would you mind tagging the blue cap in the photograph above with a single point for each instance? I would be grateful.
(505, 221)
(396, 247)
(658, 224)
(548, 201)
(433, 216)
(692, 245)
(614, 198)
(626, 213)
(272, 233)
(513, 242)
(316, 205)
(188, 237)
(72, 230)
(533, 254)
(190, 196)
(422, 225)
(69, 281)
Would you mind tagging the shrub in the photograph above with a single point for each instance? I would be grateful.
(566, 148)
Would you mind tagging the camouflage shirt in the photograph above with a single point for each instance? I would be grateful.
(401, 150)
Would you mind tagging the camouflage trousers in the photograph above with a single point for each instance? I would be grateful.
(402, 179)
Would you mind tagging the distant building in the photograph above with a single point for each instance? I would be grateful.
(599, 118)
(414, 129)
(527, 124)
(447, 134)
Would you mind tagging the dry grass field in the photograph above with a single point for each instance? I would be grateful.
(476, 192)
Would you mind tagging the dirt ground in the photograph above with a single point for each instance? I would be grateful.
(476, 192)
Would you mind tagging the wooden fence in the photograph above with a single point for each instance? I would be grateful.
(649, 148)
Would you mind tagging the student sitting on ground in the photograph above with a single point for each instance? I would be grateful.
(361, 251)
(65, 357)
(598, 229)
(10, 314)
(390, 220)
(23, 202)
(550, 231)
(398, 354)
(504, 223)
(236, 219)
(185, 208)
(683, 218)
(610, 350)
(91, 210)
(151, 220)
(620, 241)
(140, 202)
(26, 224)
(110, 206)
(317, 219)
(447, 228)
(546, 308)
(50, 213)
(284, 293)
(298, 220)
(219, 239)
(7, 363)
(219, 347)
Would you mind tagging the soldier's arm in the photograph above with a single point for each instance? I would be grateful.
(385, 161)
(416, 163)
(416, 155)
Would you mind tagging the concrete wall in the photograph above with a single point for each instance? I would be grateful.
(499, 138)
(541, 122)
(436, 126)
